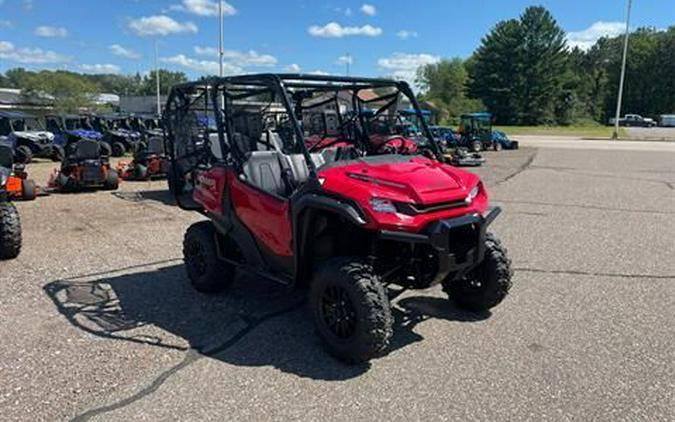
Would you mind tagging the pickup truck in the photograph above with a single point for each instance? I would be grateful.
(634, 120)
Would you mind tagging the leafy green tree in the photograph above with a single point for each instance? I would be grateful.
(519, 69)
(167, 79)
(444, 84)
(70, 91)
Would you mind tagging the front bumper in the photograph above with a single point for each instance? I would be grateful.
(459, 242)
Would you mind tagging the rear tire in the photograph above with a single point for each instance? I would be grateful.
(486, 285)
(112, 180)
(23, 155)
(140, 172)
(351, 310)
(118, 149)
(497, 146)
(28, 190)
(58, 153)
(206, 271)
(10, 231)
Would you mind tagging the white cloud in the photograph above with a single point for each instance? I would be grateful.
(51, 32)
(118, 50)
(344, 60)
(160, 25)
(404, 66)
(335, 30)
(293, 68)
(204, 8)
(238, 58)
(204, 66)
(368, 9)
(100, 68)
(6, 24)
(29, 55)
(319, 72)
(586, 38)
(405, 34)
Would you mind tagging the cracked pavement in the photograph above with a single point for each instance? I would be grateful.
(99, 323)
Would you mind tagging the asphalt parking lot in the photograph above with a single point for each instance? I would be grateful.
(98, 321)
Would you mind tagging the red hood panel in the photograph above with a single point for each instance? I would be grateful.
(416, 179)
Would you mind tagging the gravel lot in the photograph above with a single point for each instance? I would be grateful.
(98, 320)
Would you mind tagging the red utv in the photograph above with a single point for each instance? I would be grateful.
(149, 163)
(84, 167)
(344, 226)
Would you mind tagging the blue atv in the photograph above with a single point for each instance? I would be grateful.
(445, 136)
(26, 137)
(117, 132)
(69, 129)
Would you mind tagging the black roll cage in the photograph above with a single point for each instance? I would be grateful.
(282, 86)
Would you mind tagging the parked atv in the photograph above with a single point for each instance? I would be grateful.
(10, 223)
(343, 228)
(27, 137)
(85, 167)
(149, 163)
(16, 183)
(150, 126)
(68, 130)
(117, 133)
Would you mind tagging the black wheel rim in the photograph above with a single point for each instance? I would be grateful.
(197, 258)
(337, 311)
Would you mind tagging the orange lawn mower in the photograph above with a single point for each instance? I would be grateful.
(16, 183)
(149, 163)
(85, 167)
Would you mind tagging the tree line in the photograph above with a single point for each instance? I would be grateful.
(72, 91)
(525, 74)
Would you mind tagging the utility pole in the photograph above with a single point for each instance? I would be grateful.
(221, 52)
(615, 135)
(159, 100)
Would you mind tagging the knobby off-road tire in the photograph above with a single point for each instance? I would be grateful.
(140, 172)
(23, 155)
(10, 231)
(486, 285)
(106, 149)
(118, 149)
(351, 310)
(58, 153)
(206, 271)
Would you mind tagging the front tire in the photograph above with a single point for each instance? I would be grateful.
(486, 285)
(497, 146)
(28, 190)
(10, 231)
(206, 271)
(118, 149)
(58, 153)
(351, 310)
(112, 180)
(476, 146)
(23, 154)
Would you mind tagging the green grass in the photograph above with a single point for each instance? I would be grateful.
(580, 131)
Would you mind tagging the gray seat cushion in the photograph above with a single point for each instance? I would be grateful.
(264, 170)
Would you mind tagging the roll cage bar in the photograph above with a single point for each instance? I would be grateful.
(289, 90)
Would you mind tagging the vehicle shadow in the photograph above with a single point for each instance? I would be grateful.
(256, 323)
(160, 195)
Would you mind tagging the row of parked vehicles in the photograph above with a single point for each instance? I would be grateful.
(30, 136)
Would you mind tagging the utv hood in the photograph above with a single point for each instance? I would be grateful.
(430, 189)
(86, 134)
(35, 136)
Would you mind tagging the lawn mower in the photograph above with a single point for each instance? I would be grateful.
(70, 129)
(345, 227)
(27, 137)
(16, 183)
(149, 163)
(84, 168)
(10, 223)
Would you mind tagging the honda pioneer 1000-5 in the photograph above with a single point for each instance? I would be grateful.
(345, 222)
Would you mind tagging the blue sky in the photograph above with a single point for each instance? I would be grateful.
(382, 38)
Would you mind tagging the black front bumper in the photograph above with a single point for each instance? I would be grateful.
(459, 242)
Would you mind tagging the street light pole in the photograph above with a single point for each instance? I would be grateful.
(615, 135)
(348, 62)
(221, 52)
(159, 101)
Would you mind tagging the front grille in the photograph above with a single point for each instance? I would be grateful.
(415, 209)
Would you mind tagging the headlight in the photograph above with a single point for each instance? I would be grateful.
(383, 205)
(473, 194)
